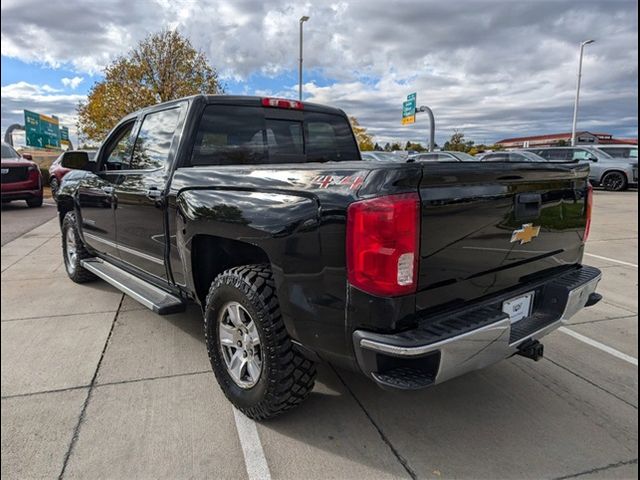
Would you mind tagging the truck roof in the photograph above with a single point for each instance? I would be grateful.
(247, 100)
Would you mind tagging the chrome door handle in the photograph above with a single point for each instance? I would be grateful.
(154, 193)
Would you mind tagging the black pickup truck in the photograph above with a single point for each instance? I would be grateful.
(262, 212)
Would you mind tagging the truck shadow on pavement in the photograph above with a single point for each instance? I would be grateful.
(491, 423)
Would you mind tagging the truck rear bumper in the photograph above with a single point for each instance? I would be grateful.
(451, 344)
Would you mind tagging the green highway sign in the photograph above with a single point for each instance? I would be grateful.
(64, 134)
(41, 131)
(409, 109)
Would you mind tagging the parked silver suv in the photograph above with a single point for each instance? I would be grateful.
(624, 151)
(614, 174)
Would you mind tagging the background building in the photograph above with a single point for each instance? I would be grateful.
(564, 139)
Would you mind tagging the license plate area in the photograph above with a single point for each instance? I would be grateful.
(518, 307)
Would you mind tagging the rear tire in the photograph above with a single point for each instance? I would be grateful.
(74, 251)
(615, 182)
(35, 202)
(285, 376)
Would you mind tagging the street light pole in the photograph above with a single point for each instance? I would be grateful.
(303, 19)
(575, 106)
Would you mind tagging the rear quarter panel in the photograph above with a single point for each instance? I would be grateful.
(296, 214)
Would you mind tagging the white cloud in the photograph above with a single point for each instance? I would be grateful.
(72, 82)
(20, 96)
(491, 68)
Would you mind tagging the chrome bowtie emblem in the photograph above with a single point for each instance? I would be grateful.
(525, 234)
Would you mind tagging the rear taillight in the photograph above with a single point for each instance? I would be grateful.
(282, 103)
(589, 211)
(382, 244)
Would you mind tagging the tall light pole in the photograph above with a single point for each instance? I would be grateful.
(575, 106)
(302, 20)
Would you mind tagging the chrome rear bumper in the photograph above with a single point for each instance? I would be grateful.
(417, 358)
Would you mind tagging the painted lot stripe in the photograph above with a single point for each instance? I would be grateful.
(601, 346)
(612, 260)
(254, 459)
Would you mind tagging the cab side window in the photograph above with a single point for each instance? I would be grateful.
(152, 146)
(118, 154)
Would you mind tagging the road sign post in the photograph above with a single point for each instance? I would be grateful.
(432, 126)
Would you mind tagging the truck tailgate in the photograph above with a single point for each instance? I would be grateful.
(479, 227)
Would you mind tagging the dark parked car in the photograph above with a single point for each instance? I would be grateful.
(21, 178)
(261, 211)
(57, 171)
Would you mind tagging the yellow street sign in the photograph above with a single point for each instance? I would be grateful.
(408, 120)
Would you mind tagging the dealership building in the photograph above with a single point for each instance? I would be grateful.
(564, 139)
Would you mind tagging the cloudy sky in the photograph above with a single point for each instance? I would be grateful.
(490, 69)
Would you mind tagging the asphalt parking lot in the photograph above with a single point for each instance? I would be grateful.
(18, 218)
(96, 386)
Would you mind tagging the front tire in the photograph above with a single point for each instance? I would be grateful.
(74, 251)
(54, 186)
(250, 350)
(35, 202)
(615, 182)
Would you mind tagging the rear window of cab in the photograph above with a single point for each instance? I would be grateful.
(245, 135)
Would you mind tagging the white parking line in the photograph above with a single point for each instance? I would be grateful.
(254, 459)
(601, 346)
(612, 260)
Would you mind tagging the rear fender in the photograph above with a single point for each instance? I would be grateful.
(282, 225)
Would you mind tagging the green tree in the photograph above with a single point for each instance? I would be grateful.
(395, 146)
(365, 141)
(387, 147)
(164, 66)
(417, 147)
(457, 143)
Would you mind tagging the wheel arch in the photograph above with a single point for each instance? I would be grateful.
(211, 255)
(614, 170)
(65, 205)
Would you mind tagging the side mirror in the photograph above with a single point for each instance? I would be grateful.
(27, 156)
(77, 161)
(592, 159)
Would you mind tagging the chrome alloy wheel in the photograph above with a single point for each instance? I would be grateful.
(71, 250)
(614, 181)
(240, 344)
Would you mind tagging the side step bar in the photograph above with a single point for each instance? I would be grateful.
(149, 295)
